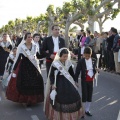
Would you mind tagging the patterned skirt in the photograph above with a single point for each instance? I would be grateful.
(65, 113)
(14, 95)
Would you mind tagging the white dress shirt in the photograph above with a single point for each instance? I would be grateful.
(89, 67)
(37, 44)
(56, 43)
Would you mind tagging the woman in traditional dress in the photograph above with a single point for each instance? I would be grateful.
(83, 43)
(26, 84)
(14, 41)
(67, 104)
(5, 48)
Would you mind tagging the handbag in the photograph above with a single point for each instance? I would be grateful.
(54, 92)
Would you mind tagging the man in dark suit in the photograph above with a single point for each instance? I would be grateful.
(110, 40)
(20, 39)
(52, 44)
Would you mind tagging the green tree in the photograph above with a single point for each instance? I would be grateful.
(98, 9)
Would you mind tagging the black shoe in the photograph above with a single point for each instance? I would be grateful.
(83, 117)
(88, 113)
(28, 105)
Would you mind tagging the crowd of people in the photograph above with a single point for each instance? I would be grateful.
(20, 69)
(107, 44)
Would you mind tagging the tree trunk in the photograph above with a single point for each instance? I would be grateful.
(91, 26)
(38, 27)
(91, 23)
(82, 27)
(100, 27)
(49, 28)
(66, 34)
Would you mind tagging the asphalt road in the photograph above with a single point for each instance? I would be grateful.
(105, 105)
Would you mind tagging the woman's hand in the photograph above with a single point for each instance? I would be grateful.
(13, 71)
(53, 87)
(6, 49)
(47, 51)
(97, 69)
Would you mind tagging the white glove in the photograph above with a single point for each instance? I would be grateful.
(14, 75)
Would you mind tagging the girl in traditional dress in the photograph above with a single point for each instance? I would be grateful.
(67, 103)
(5, 48)
(26, 84)
(8, 68)
(10, 60)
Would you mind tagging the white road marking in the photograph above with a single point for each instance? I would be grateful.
(118, 116)
(96, 93)
(100, 98)
(34, 117)
(28, 109)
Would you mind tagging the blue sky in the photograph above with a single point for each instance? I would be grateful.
(11, 9)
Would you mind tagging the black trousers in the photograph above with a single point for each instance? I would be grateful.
(111, 61)
(106, 59)
(79, 53)
(94, 55)
(48, 65)
(87, 91)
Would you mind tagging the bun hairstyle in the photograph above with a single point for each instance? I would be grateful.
(64, 51)
(28, 33)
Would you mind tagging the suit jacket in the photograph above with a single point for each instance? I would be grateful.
(110, 42)
(79, 40)
(49, 45)
(19, 41)
(115, 43)
(81, 67)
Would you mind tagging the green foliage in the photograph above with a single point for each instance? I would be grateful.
(115, 13)
(91, 12)
(109, 6)
(73, 29)
(50, 9)
(11, 24)
(68, 8)
(1, 30)
(59, 10)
